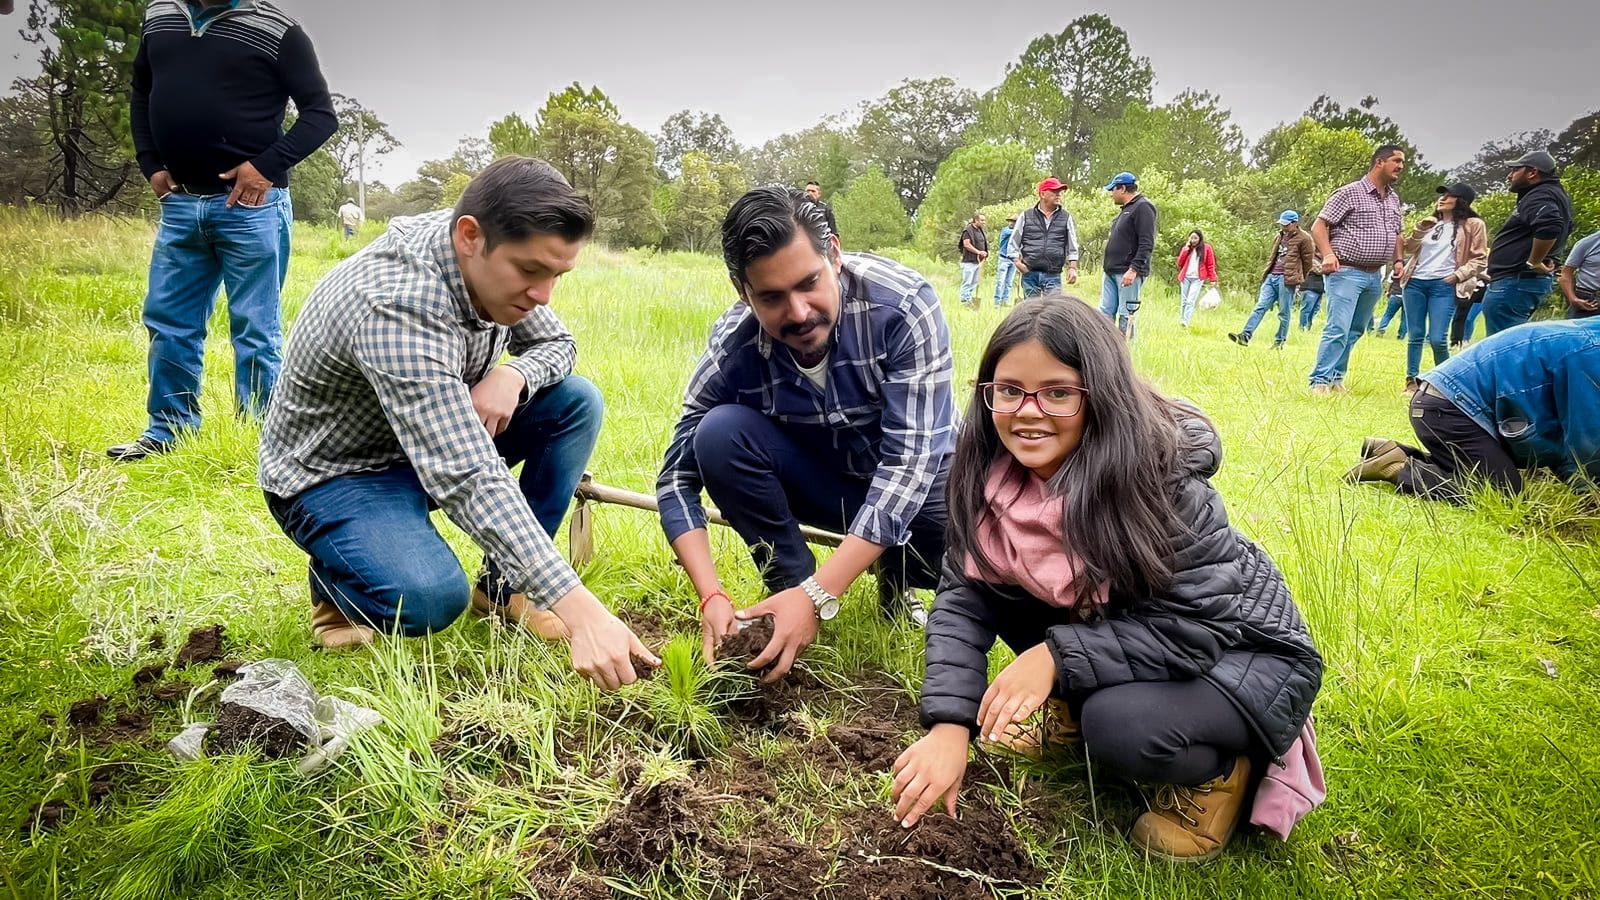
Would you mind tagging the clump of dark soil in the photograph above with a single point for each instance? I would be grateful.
(203, 645)
(128, 726)
(87, 712)
(157, 641)
(227, 670)
(642, 668)
(44, 816)
(933, 858)
(641, 835)
(171, 691)
(746, 643)
(149, 674)
(868, 746)
(238, 726)
(777, 869)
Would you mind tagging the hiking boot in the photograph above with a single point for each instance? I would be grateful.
(1385, 466)
(1277, 345)
(331, 629)
(1240, 338)
(1376, 446)
(143, 447)
(901, 603)
(518, 612)
(1321, 390)
(1050, 729)
(1338, 388)
(1412, 386)
(1194, 824)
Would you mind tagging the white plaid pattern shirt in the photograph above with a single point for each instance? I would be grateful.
(378, 373)
(888, 402)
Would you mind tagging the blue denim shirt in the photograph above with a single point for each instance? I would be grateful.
(1537, 388)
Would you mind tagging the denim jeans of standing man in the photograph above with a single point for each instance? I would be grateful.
(1274, 290)
(1035, 283)
(1309, 301)
(1509, 302)
(969, 281)
(1430, 304)
(1350, 294)
(1004, 271)
(202, 244)
(1120, 303)
(376, 555)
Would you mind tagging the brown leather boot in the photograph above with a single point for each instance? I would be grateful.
(522, 614)
(1384, 466)
(332, 630)
(1194, 824)
(1051, 729)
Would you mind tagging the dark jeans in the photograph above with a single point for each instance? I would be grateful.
(376, 555)
(1160, 732)
(768, 480)
(1509, 302)
(1455, 449)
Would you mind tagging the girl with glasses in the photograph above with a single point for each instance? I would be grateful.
(1085, 533)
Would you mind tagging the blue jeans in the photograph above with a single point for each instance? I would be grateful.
(1118, 302)
(1003, 273)
(1035, 283)
(1396, 305)
(1273, 290)
(202, 244)
(969, 280)
(1351, 294)
(374, 552)
(768, 479)
(1429, 302)
(1309, 301)
(1509, 302)
(1189, 293)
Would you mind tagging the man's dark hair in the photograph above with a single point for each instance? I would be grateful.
(810, 183)
(517, 197)
(765, 221)
(1383, 152)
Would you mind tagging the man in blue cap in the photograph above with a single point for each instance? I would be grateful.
(1293, 258)
(1128, 249)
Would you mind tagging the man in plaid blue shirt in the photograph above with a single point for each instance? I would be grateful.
(394, 401)
(823, 398)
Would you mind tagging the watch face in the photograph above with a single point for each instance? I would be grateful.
(828, 608)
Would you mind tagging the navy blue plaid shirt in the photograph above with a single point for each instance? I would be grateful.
(887, 409)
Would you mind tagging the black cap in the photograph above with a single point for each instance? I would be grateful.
(1460, 191)
(1538, 160)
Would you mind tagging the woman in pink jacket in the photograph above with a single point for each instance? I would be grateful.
(1197, 266)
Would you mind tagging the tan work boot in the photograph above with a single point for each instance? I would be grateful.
(1376, 446)
(1194, 824)
(332, 630)
(1385, 466)
(1051, 729)
(519, 612)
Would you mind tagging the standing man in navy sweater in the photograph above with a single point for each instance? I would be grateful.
(210, 84)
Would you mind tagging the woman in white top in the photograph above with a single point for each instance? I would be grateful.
(1448, 250)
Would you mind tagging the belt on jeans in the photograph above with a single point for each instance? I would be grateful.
(1363, 268)
(180, 189)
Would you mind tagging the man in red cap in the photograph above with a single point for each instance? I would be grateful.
(1045, 240)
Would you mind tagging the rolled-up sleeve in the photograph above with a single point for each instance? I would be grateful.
(918, 422)
(413, 362)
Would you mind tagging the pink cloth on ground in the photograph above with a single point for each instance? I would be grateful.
(1287, 794)
(1020, 534)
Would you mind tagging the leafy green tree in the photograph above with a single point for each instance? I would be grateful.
(1025, 108)
(869, 213)
(24, 142)
(361, 136)
(972, 177)
(913, 128)
(1191, 137)
(513, 136)
(318, 188)
(1095, 73)
(686, 132)
(581, 133)
(1579, 143)
(86, 50)
(1419, 181)
(1315, 161)
(700, 197)
(428, 191)
(827, 153)
(1486, 171)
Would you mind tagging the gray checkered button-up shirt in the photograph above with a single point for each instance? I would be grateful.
(888, 403)
(379, 372)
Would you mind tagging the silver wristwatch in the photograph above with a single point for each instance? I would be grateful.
(826, 604)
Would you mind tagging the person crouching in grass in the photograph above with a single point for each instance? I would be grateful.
(1084, 533)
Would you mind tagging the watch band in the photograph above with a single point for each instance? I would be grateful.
(821, 600)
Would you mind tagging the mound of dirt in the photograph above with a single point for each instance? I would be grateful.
(778, 869)
(869, 746)
(929, 860)
(240, 725)
(149, 674)
(87, 712)
(44, 816)
(746, 643)
(203, 645)
(641, 835)
(227, 670)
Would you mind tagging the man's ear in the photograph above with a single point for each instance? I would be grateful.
(468, 237)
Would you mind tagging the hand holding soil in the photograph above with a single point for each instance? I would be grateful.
(1019, 690)
(603, 648)
(716, 623)
(930, 770)
(794, 629)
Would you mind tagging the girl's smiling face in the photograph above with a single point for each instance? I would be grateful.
(1039, 441)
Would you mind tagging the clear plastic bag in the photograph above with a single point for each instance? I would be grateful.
(1210, 298)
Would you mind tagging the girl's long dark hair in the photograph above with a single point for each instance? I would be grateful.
(1200, 247)
(1117, 511)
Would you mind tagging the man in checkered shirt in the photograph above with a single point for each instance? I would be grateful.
(824, 399)
(1357, 234)
(394, 401)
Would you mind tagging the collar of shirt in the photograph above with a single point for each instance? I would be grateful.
(1372, 187)
(203, 12)
(444, 253)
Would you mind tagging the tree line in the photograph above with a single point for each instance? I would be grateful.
(904, 169)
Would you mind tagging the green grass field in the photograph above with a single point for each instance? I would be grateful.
(1458, 720)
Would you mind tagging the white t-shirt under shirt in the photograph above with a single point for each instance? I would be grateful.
(1194, 263)
(1437, 256)
(817, 374)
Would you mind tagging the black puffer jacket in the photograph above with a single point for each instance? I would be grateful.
(1227, 617)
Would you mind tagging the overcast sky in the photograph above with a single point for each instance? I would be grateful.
(1452, 74)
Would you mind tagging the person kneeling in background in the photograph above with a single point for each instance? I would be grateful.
(1086, 535)
(1524, 398)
